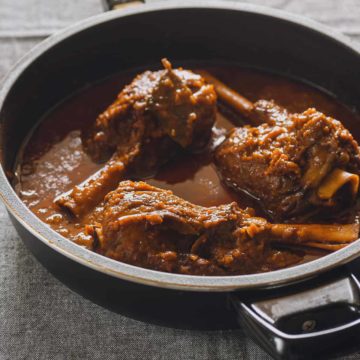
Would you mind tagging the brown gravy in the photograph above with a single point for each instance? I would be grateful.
(52, 160)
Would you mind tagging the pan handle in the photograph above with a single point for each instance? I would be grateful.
(303, 323)
(120, 4)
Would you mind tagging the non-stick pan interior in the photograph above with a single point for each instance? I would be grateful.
(98, 47)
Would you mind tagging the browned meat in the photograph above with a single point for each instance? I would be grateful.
(293, 163)
(158, 110)
(159, 114)
(150, 227)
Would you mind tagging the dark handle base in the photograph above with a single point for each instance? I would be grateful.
(305, 323)
(118, 4)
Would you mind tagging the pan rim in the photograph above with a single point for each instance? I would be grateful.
(141, 275)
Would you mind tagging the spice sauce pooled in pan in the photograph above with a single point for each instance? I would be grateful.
(182, 174)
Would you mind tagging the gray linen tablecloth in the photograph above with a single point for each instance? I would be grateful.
(42, 319)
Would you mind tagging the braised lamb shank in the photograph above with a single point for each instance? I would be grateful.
(151, 227)
(159, 114)
(292, 163)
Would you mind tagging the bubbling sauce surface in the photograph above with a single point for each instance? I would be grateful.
(52, 161)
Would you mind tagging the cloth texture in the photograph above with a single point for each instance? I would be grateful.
(40, 318)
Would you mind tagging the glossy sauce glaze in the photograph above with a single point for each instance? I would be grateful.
(52, 161)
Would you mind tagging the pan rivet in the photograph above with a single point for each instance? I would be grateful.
(309, 325)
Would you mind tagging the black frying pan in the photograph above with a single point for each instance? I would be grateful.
(298, 311)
